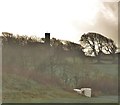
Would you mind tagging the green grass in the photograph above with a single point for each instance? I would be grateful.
(102, 99)
(107, 68)
(22, 90)
(111, 69)
(17, 88)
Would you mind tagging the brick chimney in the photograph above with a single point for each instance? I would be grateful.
(47, 39)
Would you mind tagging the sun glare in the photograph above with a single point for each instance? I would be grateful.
(36, 17)
(87, 10)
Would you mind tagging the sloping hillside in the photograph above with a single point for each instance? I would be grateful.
(21, 89)
(33, 71)
(17, 89)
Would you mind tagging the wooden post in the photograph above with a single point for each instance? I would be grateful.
(47, 39)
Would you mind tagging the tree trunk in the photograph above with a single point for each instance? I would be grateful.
(99, 57)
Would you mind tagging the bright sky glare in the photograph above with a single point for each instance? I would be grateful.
(58, 17)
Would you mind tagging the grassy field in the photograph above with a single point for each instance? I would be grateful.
(22, 90)
(33, 72)
(101, 99)
(33, 87)
(111, 69)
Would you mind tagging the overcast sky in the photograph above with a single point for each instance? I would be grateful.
(64, 19)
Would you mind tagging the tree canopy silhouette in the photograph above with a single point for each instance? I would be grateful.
(95, 44)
